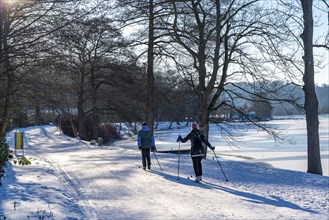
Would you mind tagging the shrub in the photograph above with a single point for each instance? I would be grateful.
(108, 132)
(66, 125)
(4, 152)
(24, 161)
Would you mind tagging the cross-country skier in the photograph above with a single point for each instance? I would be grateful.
(197, 149)
(145, 143)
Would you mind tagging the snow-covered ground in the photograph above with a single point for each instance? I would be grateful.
(69, 179)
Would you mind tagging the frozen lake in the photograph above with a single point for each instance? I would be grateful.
(253, 145)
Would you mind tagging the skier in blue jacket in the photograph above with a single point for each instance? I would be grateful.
(146, 143)
(197, 149)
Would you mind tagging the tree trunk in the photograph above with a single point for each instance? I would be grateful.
(94, 105)
(204, 117)
(81, 119)
(2, 18)
(203, 114)
(74, 130)
(37, 116)
(5, 67)
(311, 102)
(7, 107)
(150, 75)
(81, 112)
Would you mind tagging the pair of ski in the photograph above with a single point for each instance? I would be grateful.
(192, 179)
(146, 170)
(201, 182)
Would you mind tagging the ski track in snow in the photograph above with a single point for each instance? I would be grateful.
(106, 183)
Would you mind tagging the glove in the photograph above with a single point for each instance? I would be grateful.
(212, 147)
(139, 147)
(179, 138)
(153, 149)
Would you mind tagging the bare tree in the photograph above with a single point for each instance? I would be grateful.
(146, 15)
(214, 48)
(21, 37)
(92, 51)
(24, 27)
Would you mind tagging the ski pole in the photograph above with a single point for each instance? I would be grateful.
(178, 158)
(220, 165)
(157, 160)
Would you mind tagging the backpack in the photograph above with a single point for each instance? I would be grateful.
(146, 139)
(200, 138)
(199, 146)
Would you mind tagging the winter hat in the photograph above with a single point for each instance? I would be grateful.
(145, 127)
(194, 125)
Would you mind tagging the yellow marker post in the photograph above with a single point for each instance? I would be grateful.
(19, 145)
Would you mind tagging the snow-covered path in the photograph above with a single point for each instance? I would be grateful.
(91, 182)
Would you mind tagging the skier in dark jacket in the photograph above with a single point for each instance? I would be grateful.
(145, 141)
(197, 149)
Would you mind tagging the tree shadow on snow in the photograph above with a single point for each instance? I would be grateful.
(253, 198)
(249, 197)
